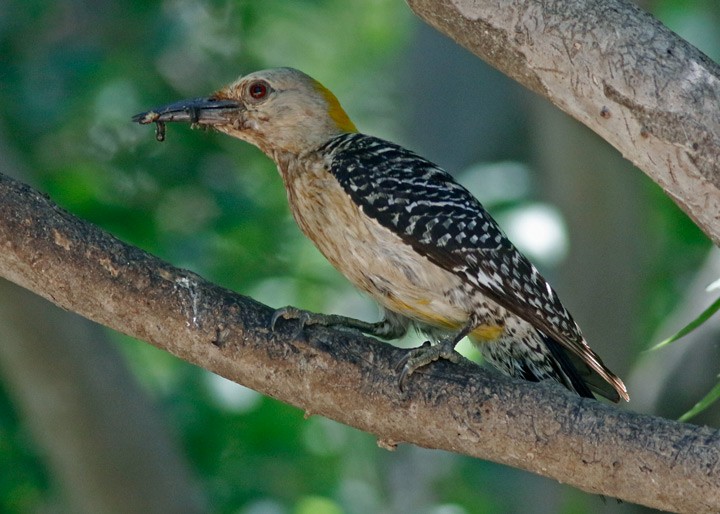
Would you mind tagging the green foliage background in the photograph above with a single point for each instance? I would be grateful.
(74, 72)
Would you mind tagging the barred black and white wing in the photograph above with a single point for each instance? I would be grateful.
(444, 222)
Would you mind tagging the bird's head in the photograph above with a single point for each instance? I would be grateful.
(280, 110)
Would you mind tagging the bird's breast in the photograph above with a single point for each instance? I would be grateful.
(372, 256)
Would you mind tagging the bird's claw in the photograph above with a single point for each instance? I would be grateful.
(303, 317)
(403, 364)
(423, 355)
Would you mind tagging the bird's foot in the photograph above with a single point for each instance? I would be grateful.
(306, 318)
(292, 313)
(416, 358)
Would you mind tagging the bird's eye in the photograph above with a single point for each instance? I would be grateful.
(258, 89)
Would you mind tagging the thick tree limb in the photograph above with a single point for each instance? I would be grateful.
(350, 378)
(618, 70)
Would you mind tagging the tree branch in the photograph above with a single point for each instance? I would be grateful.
(618, 70)
(351, 378)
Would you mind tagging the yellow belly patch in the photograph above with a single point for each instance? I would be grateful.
(485, 333)
(420, 310)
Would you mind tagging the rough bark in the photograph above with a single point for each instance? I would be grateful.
(618, 70)
(350, 378)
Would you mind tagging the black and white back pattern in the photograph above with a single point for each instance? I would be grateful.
(443, 221)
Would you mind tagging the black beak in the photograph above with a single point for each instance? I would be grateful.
(205, 111)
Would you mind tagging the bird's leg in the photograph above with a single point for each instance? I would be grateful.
(390, 327)
(423, 355)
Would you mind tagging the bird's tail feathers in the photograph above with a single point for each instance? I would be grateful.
(545, 359)
(582, 378)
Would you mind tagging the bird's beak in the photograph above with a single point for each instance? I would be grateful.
(201, 111)
(205, 111)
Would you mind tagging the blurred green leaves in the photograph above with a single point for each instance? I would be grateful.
(703, 404)
(714, 393)
(702, 318)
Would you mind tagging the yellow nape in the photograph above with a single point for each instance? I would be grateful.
(485, 333)
(335, 110)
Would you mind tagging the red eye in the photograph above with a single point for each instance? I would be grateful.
(258, 90)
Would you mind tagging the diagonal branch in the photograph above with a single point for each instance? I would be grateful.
(350, 378)
(618, 70)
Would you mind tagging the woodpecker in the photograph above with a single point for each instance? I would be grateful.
(402, 230)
